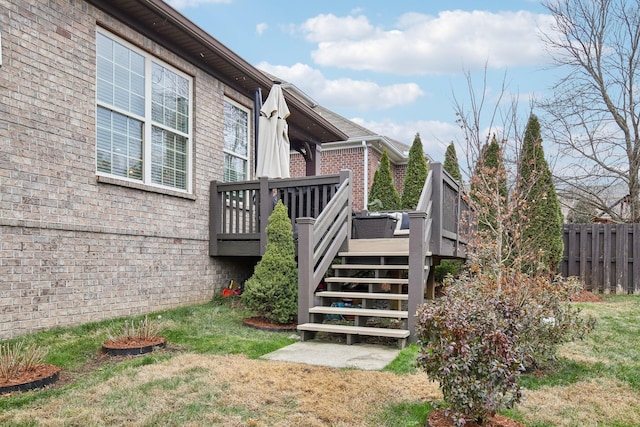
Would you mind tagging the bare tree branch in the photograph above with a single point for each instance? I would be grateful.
(593, 116)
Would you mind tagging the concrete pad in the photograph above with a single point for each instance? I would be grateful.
(360, 356)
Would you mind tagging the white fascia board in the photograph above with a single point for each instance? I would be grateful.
(376, 142)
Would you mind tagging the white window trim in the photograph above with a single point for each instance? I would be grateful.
(147, 121)
(249, 139)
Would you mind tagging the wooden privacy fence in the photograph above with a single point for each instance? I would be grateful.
(605, 256)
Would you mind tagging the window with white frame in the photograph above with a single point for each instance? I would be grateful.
(143, 116)
(236, 141)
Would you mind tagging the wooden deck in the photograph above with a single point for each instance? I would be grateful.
(320, 209)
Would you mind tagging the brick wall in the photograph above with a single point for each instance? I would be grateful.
(333, 161)
(399, 175)
(74, 248)
(297, 165)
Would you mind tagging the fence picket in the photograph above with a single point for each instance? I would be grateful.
(605, 256)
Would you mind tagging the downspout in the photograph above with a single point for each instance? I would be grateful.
(365, 191)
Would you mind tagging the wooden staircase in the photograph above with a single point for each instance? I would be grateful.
(366, 294)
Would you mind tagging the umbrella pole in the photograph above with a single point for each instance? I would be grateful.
(257, 105)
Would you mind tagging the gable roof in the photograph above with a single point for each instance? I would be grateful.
(168, 27)
(356, 134)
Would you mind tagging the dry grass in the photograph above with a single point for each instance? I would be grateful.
(180, 388)
(230, 391)
(595, 402)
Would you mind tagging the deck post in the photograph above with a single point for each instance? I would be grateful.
(435, 246)
(265, 209)
(417, 255)
(215, 217)
(305, 268)
(345, 175)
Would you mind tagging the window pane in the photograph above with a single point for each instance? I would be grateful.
(169, 98)
(119, 140)
(121, 55)
(236, 130)
(120, 74)
(104, 161)
(235, 168)
(104, 46)
(105, 92)
(167, 159)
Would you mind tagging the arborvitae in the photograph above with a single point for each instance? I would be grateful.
(489, 186)
(540, 214)
(417, 170)
(382, 187)
(272, 290)
(451, 162)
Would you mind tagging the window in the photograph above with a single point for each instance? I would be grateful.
(143, 116)
(236, 142)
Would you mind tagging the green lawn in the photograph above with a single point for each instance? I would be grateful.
(596, 382)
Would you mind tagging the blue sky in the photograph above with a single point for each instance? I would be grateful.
(391, 66)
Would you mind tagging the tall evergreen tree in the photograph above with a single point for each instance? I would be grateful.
(489, 186)
(540, 212)
(489, 203)
(451, 162)
(382, 187)
(417, 170)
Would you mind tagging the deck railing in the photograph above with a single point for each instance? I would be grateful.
(239, 211)
(319, 241)
(436, 231)
(321, 210)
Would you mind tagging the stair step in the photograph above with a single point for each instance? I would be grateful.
(362, 295)
(354, 330)
(366, 253)
(369, 267)
(365, 280)
(351, 311)
(387, 254)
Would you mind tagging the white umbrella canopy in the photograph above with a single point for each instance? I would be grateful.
(273, 136)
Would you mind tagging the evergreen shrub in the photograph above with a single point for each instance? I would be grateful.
(272, 290)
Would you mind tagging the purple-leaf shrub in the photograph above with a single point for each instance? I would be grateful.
(481, 335)
(470, 345)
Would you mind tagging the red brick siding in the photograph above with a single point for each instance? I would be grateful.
(297, 166)
(399, 175)
(333, 161)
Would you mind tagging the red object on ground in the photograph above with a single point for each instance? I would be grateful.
(226, 292)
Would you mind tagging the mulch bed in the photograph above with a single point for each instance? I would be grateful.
(586, 296)
(437, 418)
(130, 346)
(268, 325)
(39, 376)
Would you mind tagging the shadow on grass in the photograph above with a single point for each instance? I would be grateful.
(405, 414)
(564, 372)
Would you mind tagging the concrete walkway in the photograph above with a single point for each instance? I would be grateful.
(360, 356)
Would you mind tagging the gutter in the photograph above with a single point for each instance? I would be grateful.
(395, 155)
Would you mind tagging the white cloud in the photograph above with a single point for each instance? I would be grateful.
(425, 44)
(261, 28)
(183, 4)
(344, 92)
(329, 27)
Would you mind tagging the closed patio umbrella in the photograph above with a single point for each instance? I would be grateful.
(273, 136)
